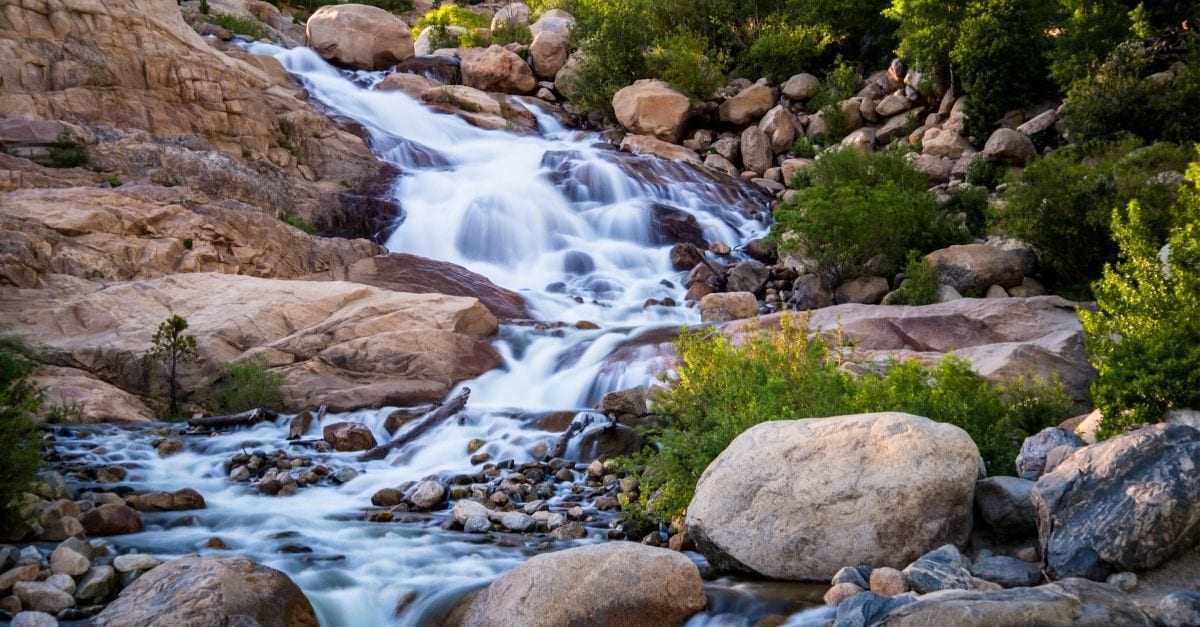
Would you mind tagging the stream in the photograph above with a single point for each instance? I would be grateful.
(558, 217)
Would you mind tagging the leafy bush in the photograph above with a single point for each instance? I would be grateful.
(722, 389)
(66, 152)
(1090, 29)
(859, 214)
(238, 25)
(927, 30)
(68, 413)
(511, 32)
(300, 223)
(19, 402)
(450, 15)
(983, 173)
(247, 385)
(684, 61)
(804, 148)
(969, 206)
(1062, 205)
(921, 283)
(1145, 339)
(783, 49)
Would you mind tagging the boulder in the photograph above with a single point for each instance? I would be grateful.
(808, 292)
(937, 169)
(444, 69)
(892, 105)
(41, 596)
(413, 85)
(359, 36)
(1031, 460)
(868, 290)
(497, 69)
(179, 500)
(776, 502)
(98, 401)
(684, 257)
(511, 13)
(943, 568)
(792, 167)
(648, 145)
(942, 143)
(349, 436)
(747, 276)
(728, 306)
(617, 583)
(548, 54)
(111, 520)
(427, 495)
(554, 21)
(748, 105)
(801, 87)
(97, 583)
(652, 107)
(343, 345)
(1009, 146)
(1129, 503)
(72, 557)
(565, 80)
(756, 150)
(1009, 572)
(402, 272)
(867, 608)
(1178, 609)
(1004, 504)
(973, 268)
(196, 590)
(862, 140)
(1074, 602)
(720, 164)
(34, 619)
(780, 126)
(888, 582)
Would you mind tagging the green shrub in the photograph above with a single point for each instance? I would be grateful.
(804, 148)
(1090, 29)
(1144, 340)
(969, 206)
(859, 214)
(68, 413)
(66, 152)
(921, 283)
(238, 25)
(684, 61)
(511, 32)
(450, 15)
(1062, 206)
(722, 389)
(783, 49)
(983, 173)
(247, 385)
(300, 223)
(20, 400)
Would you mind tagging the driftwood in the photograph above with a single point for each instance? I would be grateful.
(564, 440)
(423, 424)
(254, 416)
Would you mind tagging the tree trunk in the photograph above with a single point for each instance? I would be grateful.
(423, 424)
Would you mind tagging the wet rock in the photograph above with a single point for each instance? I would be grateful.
(427, 495)
(616, 583)
(685, 256)
(359, 36)
(477, 524)
(111, 520)
(612, 441)
(1178, 609)
(72, 557)
(349, 436)
(180, 500)
(96, 584)
(1125, 582)
(1129, 503)
(943, 568)
(774, 502)
(631, 401)
(387, 497)
(210, 591)
(169, 447)
(569, 531)
(675, 226)
(110, 474)
(1075, 602)
(728, 306)
(516, 521)
(1005, 506)
(42, 597)
(300, 425)
(1009, 572)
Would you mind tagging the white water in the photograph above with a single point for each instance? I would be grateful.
(581, 248)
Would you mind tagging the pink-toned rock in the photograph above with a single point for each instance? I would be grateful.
(359, 36)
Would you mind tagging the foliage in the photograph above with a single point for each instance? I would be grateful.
(238, 25)
(722, 389)
(684, 61)
(308, 6)
(171, 348)
(783, 49)
(1089, 30)
(859, 214)
(450, 15)
(927, 30)
(921, 283)
(67, 413)
(1120, 100)
(969, 205)
(1145, 339)
(804, 148)
(19, 402)
(1061, 205)
(509, 32)
(67, 152)
(983, 172)
(300, 223)
(247, 385)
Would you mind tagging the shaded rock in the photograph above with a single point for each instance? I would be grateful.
(612, 441)
(866, 290)
(943, 568)
(801, 87)
(748, 105)
(686, 256)
(359, 36)
(942, 143)
(864, 610)
(111, 520)
(808, 292)
(300, 425)
(671, 225)
(1070, 602)
(756, 150)
(1009, 572)
(72, 557)
(210, 591)
(97, 583)
(569, 531)
(1009, 146)
(349, 436)
(972, 268)
(728, 306)
(1129, 503)
(511, 13)
(1004, 505)
(1031, 460)
(775, 502)
(443, 69)
(747, 276)
(853, 574)
(1178, 609)
(780, 127)
(617, 583)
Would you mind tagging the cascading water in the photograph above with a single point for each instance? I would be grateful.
(569, 225)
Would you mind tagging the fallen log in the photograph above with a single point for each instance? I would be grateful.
(254, 416)
(579, 424)
(422, 424)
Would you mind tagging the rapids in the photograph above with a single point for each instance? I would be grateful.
(557, 217)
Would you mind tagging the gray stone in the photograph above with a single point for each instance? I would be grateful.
(97, 583)
(972, 268)
(728, 306)
(854, 575)
(1004, 505)
(864, 610)
(943, 568)
(808, 292)
(135, 561)
(477, 524)
(1009, 572)
(1071, 602)
(863, 290)
(747, 276)
(465, 510)
(34, 619)
(427, 494)
(515, 521)
(801, 87)
(1031, 461)
(41, 596)
(1009, 146)
(756, 150)
(72, 557)
(1126, 582)
(62, 582)
(1178, 609)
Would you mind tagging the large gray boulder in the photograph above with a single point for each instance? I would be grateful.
(1004, 504)
(973, 268)
(360, 36)
(196, 590)
(1130, 503)
(618, 583)
(800, 499)
(1075, 602)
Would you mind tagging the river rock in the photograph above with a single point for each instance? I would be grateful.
(652, 107)
(1005, 505)
(888, 582)
(497, 69)
(633, 401)
(210, 591)
(24, 572)
(839, 592)
(728, 306)
(349, 436)
(135, 561)
(648, 145)
(97, 583)
(548, 54)
(748, 105)
(427, 495)
(515, 521)
(616, 583)
(775, 501)
(801, 87)
(866, 609)
(72, 557)
(1130, 503)
(1008, 146)
(41, 596)
(34, 619)
(1075, 602)
(179, 500)
(943, 568)
(720, 164)
(1031, 460)
(360, 36)
(1009, 572)
(973, 268)
(63, 582)
(756, 150)
(413, 85)
(747, 276)
(111, 520)
(1178, 609)
(465, 510)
